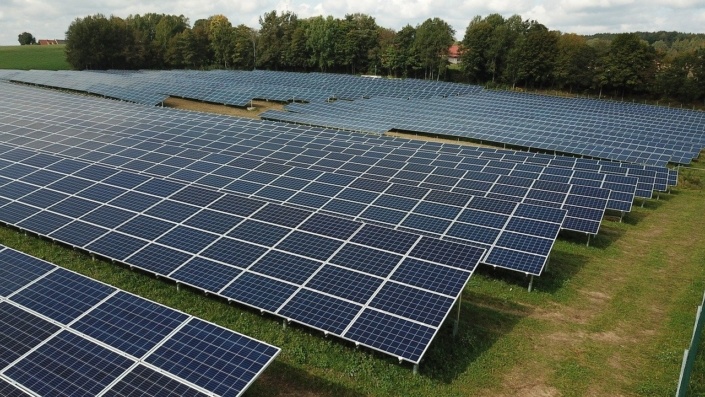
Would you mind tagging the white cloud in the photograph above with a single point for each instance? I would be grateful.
(50, 19)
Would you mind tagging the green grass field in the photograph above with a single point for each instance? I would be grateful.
(33, 57)
(605, 320)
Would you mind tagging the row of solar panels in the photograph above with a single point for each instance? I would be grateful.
(235, 88)
(66, 334)
(171, 184)
(371, 200)
(383, 285)
(481, 117)
(343, 277)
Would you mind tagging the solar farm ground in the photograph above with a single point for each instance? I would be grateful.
(609, 319)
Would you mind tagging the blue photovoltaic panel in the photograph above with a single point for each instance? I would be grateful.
(68, 365)
(18, 270)
(231, 360)
(320, 311)
(347, 284)
(21, 332)
(8, 390)
(62, 295)
(313, 239)
(287, 267)
(263, 292)
(393, 334)
(205, 274)
(100, 352)
(365, 259)
(418, 305)
(147, 382)
(150, 323)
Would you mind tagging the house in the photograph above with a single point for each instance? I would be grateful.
(51, 42)
(454, 54)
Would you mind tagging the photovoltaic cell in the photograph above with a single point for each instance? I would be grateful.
(100, 351)
(69, 365)
(320, 311)
(150, 323)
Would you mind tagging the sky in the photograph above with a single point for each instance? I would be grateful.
(49, 19)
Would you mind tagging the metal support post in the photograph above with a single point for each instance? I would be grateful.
(457, 320)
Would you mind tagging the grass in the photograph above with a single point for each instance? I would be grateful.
(609, 319)
(33, 57)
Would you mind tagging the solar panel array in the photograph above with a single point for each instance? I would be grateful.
(525, 231)
(66, 334)
(574, 126)
(329, 191)
(235, 88)
(324, 272)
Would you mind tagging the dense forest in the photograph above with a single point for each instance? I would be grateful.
(494, 51)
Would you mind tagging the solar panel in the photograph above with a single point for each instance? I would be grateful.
(182, 252)
(65, 334)
(367, 205)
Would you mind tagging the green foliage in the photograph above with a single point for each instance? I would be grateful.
(26, 38)
(45, 57)
(495, 51)
(432, 41)
(631, 63)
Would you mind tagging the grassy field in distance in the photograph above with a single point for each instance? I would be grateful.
(45, 57)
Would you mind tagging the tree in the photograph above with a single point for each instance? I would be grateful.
(406, 57)
(360, 35)
(433, 39)
(274, 39)
(575, 62)
(487, 44)
(631, 63)
(26, 38)
(221, 38)
(96, 42)
(323, 42)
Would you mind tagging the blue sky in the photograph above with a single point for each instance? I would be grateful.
(50, 19)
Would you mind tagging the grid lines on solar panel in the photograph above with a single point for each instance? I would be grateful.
(98, 351)
(421, 223)
(392, 246)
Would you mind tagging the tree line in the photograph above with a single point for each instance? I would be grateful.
(495, 51)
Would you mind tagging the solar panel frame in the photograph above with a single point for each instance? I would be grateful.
(126, 256)
(97, 343)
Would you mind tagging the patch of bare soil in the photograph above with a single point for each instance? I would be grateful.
(253, 112)
(441, 139)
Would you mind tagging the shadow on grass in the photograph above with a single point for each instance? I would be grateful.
(282, 379)
(483, 321)
(561, 267)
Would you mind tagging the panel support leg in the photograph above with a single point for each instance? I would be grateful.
(457, 319)
(416, 369)
(531, 283)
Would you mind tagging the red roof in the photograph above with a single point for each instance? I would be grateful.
(454, 51)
